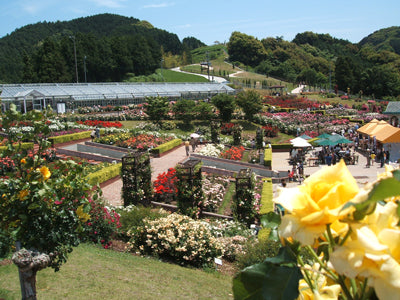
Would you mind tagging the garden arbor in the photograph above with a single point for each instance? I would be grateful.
(136, 178)
(189, 185)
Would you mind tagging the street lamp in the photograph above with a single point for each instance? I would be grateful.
(72, 37)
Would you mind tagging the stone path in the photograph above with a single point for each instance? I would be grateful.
(112, 192)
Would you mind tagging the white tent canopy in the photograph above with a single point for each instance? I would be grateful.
(300, 143)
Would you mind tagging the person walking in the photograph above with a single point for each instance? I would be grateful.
(187, 144)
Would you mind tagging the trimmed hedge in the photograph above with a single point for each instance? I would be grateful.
(267, 205)
(25, 146)
(69, 137)
(282, 146)
(157, 151)
(104, 174)
(268, 157)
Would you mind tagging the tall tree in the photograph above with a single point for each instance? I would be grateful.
(157, 109)
(246, 49)
(250, 102)
(184, 111)
(226, 105)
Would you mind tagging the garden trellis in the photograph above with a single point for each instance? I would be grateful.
(136, 178)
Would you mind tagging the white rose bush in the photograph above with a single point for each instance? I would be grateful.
(339, 241)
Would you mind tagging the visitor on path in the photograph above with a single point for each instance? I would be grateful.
(368, 158)
(93, 134)
(97, 132)
(193, 143)
(187, 144)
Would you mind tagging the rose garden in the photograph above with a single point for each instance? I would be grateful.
(334, 239)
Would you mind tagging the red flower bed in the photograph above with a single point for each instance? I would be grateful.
(291, 102)
(98, 123)
(165, 187)
(227, 128)
(270, 131)
(234, 153)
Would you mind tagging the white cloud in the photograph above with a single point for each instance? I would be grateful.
(109, 3)
(160, 5)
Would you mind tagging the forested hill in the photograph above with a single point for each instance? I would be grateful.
(384, 39)
(371, 67)
(107, 41)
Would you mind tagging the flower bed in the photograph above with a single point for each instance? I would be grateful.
(140, 142)
(99, 123)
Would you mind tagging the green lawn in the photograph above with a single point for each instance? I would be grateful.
(173, 76)
(95, 273)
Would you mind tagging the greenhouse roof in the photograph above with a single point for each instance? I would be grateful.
(88, 91)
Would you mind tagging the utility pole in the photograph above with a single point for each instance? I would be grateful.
(84, 67)
(76, 63)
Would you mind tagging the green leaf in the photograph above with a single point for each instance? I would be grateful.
(33, 206)
(383, 189)
(273, 235)
(267, 281)
(270, 220)
(285, 256)
(396, 174)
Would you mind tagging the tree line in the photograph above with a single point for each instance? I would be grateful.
(324, 61)
(107, 47)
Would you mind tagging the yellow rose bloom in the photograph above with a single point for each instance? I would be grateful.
(84, 217)
(373, 251)
(23, 161)
(23, 194)
(45, 172)
(316, 203)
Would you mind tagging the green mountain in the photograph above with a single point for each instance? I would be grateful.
(385, 39)
(20, 49)
(371, 67)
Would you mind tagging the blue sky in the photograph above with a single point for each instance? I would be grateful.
(211, 21)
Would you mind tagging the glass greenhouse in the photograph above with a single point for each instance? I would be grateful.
(68, 96)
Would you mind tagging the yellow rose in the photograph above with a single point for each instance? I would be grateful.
(23, 161)
(23, 194)
(45, 172)
(373, 251)
(316, 203)
(84, 217)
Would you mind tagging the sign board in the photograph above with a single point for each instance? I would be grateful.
(61, 108)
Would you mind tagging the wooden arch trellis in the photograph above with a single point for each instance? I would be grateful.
(136, 178)
(243, 205)
(189, 186)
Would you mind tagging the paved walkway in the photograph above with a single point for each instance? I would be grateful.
(280, 162)
(112, 192)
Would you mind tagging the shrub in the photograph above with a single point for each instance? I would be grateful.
(256, 251)
(179, 238)
(166, 147)
(168, 125)
(132, 217)
(104, 174)
(102, 225)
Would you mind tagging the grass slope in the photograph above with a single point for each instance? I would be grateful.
(173, 76)
(95, 273)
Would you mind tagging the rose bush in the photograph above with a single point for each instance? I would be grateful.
(179, 238)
